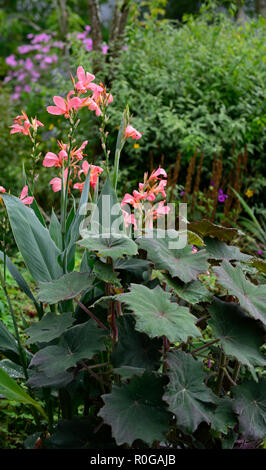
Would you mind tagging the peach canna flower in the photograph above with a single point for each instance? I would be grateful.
(64, 106)
(27, 200)
(132, 132)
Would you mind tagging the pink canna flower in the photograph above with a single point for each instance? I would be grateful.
(64, 106)
(92, 105)
(161, 209)
(132, 132)
(36, 124)
(2, 190)
(157, 173)
(79, 186)
(27, 200)
(78, 153)
(95, 172)
(21, 124)
(53, 160)
(84, 80)
(129, 219)
(57, 182)
(127, 199)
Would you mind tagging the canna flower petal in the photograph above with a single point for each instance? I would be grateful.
(2, 189)
(60, 102)
(54, 110)
(23, 196)
(56, 184)
(50, 160)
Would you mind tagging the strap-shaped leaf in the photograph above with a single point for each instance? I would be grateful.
(66, 287)
(74, 221)
(77, 343)
(12, 391)
(179, 263)
(252, 298)
(51, 326)
(33, 240)
(250, 405)
(15, 371)
(239, 334)
(186, 394)
(55, 230)
(108, 215)
(8, 344)
(112, 245)
(136, 411)
(156, 315)
(17, 276)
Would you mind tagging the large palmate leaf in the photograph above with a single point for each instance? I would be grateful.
(252, 298)
(134, 266)
(106, 273)
(179, 263)
(224, 417)
(134, 349)
(67, 287)
(136, 410)
(187, 396)
(78, 433)
(51, 326)
(112, 245)
(38, 379)
(12, 391)
(193, 292)
(219, 250)
(206, 228)
(18, 278)
(239, 334)
(33, 240)
(77, 343)
(250, 405)
(156, 315)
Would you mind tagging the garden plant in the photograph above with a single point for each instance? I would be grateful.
(144, 335)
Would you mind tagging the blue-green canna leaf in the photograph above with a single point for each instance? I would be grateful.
(33, 240)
